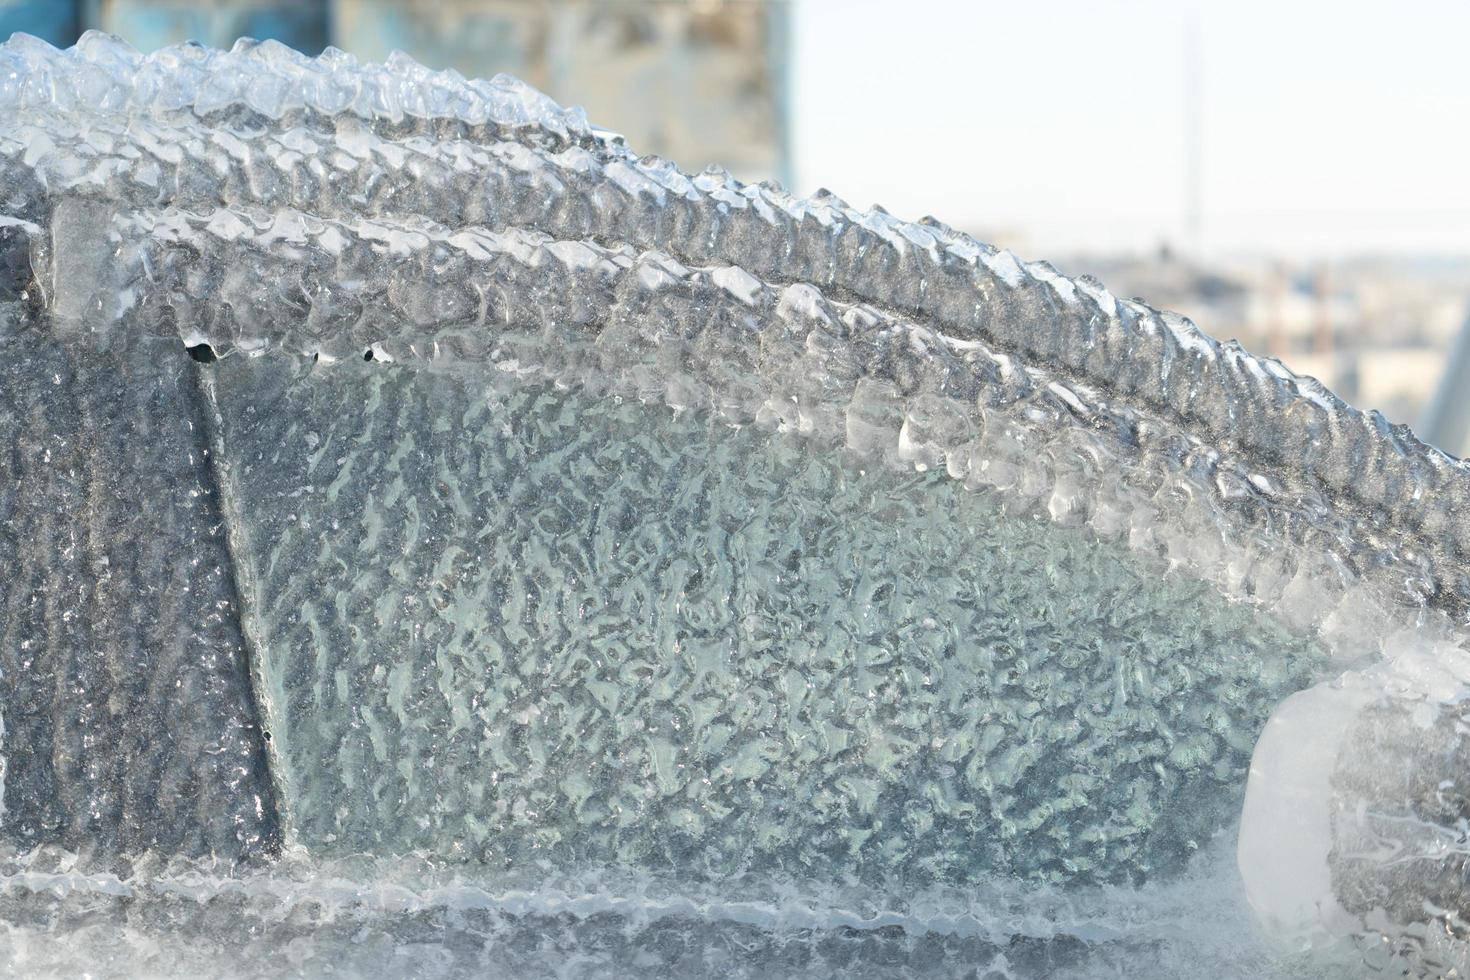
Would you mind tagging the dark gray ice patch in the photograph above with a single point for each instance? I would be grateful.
(129, 719)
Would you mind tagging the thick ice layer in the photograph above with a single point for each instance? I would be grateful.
(583, 514)
(333, 137)
(412, 918)
(129, 722)
(503, 621)
(718, 340)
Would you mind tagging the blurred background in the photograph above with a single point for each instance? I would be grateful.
(1295, 175)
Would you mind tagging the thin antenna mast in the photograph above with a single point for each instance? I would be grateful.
(1193, 222)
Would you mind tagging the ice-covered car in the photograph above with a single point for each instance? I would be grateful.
(436, 540)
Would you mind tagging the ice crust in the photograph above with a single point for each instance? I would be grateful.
(516, 161)
(411, 918)
(129, 721)
(554, 508)
(620, 635)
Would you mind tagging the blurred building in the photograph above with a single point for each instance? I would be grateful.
(696, 81)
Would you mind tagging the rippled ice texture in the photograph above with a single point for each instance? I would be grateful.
(446, 543)
(517, 624)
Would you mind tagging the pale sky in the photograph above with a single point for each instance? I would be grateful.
(1326, 128)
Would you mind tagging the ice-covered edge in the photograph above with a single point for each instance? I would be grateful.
(103, 73)
(967, 288)
(841, 374)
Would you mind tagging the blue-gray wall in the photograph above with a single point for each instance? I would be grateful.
(55, 21)
(151, 24)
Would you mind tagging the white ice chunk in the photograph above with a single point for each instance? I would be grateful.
(1286, 824)
(1320, 780)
